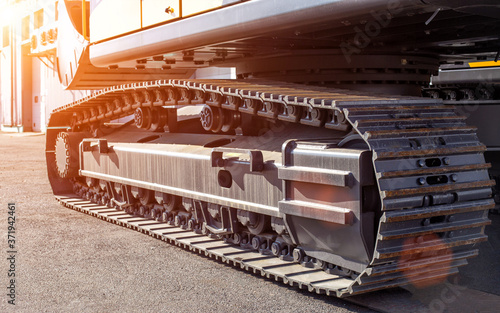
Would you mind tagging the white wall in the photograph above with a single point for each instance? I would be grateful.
(46, 91)
(5, 86)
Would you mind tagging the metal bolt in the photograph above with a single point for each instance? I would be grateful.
(221, 162)
(298, 255)
(421, 181)
(451, 218)
(426, 222)
(454, 177)
(421, 163)
(451, 234)
(446, 161)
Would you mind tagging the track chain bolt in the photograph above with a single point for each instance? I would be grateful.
(298, 255)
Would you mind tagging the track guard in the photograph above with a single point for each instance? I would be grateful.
(324, 183)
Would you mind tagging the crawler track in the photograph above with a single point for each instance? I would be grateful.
(433, 184)
(271, 267)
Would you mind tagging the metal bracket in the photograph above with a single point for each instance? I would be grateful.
(103, 145)
(89, 144)
(229, 219)
(256, 158)
(113, 195)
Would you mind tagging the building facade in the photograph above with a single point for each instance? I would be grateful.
(29, 84)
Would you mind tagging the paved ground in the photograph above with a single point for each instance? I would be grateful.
(68, 261)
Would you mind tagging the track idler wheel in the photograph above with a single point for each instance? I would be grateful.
(255, 223)
(276, 248)
(237, 238)
(158, 119)
(143, 118)
(212, 119)
(232, 119)
(145, 196)
(67, 156)
(169, 201)
(256, 243)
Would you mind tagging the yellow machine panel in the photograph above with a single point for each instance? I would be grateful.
(131, 15)
(111, 18)
(158, 11)
(190, 7)
(321, 161)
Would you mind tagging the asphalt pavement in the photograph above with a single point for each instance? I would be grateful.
(65, 261)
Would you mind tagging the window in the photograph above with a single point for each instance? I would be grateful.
(6, 36)
(38, 16)
(25, 28)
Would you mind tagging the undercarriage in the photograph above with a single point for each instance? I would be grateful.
(363, 191)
